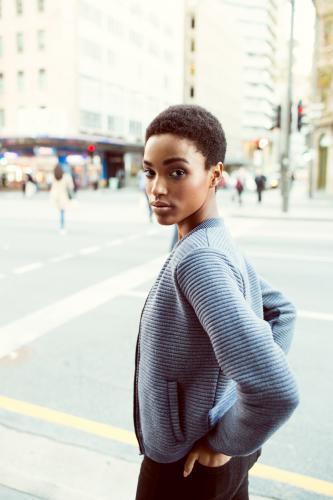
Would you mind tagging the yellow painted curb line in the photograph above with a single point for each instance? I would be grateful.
(116, 434)
(57, 417)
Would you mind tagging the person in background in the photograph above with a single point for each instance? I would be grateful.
(239, 186)
(142, 187)
(212, 382)
(29, 186)
(61, 193)
(260, 181)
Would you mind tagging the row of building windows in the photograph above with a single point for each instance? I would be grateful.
(115, 123)
(20, 4)
(95, 16)
(21, 80)
(95, 51)
(40, 38)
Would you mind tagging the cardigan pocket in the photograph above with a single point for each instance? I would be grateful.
(174, 410)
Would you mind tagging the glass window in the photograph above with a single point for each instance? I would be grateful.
(192, 45)
(41, 39)
(89, 119)
(19, 42)
(192, 22)
(40, 5)
(20, 80)
(19, 7)
(2, 118)
(41, 79)
(191, 91)
(1, 82)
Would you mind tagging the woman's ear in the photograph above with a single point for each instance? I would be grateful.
(216, 172)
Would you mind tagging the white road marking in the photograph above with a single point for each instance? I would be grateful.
(299, 236)
(28, 268)
(61, 258)
(25, 330)
(89, 250)
(315, 315)
(114, 243)
(134, 237)
(138, 294)
(152, 232)
(289, 256)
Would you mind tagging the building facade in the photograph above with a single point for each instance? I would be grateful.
(75, 72)
(257, 29)
(322, 175)
(213, 67)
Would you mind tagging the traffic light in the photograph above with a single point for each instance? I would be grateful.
(277, 117)
(300, 115)
(91, 150)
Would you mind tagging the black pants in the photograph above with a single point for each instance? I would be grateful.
(166, 481)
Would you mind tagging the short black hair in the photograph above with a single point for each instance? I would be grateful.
(196, 124)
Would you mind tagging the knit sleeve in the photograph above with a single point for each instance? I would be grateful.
(245, 351)
(280, 314)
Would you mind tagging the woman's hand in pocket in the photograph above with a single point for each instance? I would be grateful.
(202, 453)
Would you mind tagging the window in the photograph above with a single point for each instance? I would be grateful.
(191, 91)
(19, 7)
(192, 69)
(19, 42)
(111, 57)
(115, 124)
(20, 80)
(1, 83)
(40, 5)
(41, 39)
(192, 22)
(135, 128)
(89, 119)
(41, 79)
(2, 118)
(192, 45)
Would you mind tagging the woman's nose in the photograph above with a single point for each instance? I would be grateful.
(158, 186)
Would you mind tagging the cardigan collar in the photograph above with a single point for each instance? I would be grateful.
(212, 222)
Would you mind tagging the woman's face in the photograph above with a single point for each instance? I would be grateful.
(177, 183)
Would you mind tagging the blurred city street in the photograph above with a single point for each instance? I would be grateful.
(70, 308)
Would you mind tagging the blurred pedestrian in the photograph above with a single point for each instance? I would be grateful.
(61, 193)
(260, 181)
(29, 186)
(212, 382)
(239, 186)
(142, 188)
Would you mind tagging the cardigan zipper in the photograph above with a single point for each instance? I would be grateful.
(137, 425)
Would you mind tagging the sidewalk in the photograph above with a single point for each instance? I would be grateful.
(301, 207)
(45, 469)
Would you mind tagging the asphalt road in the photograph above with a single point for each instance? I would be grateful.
(70, 307)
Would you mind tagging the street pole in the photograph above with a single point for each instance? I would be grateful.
(285, 158)
(313, 99)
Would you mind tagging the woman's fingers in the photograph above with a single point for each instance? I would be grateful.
(189, 464)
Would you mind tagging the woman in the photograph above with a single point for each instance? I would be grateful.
(212, 382)
(61, 190)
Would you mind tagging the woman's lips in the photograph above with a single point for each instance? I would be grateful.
(160, 207)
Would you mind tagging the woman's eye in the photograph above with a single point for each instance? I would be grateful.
(178, 173)
(148, 172)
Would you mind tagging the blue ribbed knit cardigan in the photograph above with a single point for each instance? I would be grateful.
(210, 360)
